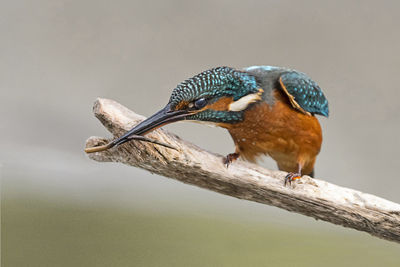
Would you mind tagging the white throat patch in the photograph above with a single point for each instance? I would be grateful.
(243, 102)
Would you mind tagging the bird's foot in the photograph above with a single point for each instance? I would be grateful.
(290, 177)
(230, 158)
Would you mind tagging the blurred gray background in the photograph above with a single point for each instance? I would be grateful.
(61, 209)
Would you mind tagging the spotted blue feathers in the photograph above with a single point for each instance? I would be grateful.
(305, 92)
(218, 116)
(220, 81)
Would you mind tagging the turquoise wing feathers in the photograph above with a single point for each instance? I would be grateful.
(304, 94)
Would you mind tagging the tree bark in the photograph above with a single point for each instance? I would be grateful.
(193, 165)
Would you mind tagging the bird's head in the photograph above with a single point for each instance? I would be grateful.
(220, 95)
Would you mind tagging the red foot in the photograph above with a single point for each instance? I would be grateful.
(230, 158)
(290, 177)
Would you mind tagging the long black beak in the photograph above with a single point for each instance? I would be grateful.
(163, 117)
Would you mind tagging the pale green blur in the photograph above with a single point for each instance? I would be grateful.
(43, 234)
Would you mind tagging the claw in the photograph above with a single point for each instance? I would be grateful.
(290, 177)
(230, 158)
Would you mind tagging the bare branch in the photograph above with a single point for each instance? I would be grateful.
(193, 165)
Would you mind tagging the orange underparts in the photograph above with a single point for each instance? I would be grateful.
(290, 137)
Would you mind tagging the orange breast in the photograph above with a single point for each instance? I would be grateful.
(288, 136)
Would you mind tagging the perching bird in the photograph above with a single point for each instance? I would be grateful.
(267, 110)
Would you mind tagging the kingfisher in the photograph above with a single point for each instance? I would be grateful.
(267, 110)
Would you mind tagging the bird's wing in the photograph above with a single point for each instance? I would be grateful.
(304, 94)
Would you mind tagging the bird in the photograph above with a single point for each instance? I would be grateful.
(267, 110)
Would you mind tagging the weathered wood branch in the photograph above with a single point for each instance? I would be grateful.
(193, 165)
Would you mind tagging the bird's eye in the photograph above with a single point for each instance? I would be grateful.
(200, 103)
